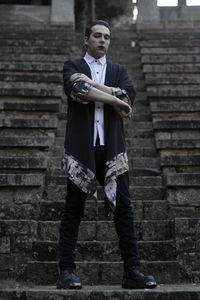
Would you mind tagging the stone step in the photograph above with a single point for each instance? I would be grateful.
(59, 58)
(141, 96)
(147, 230)
(143, 210)
(130, 132)
(24, 76)
(172, 68)
(47, 121)
(183, 179)
(163, 291)
(178, 143)
(17, 180)
(136, 162)
(23, 162)
(22, 42)
(140, 142)
(141, 152)
(169, 33)
(184, 122)
(36, 30)
(37, 106)
(27, 231)
(135, 63)
(174, 91)
(134, 180)
(51, 210)
(105, 251)
(102, 272)
(41, 66)
(175, 105)
(38, 141)
(136, 193)
(143, 162)
(32, 34)
(33, 66)
(163, 59)
(140, 114)
(133, 172)
(140, 107)
(37, 50)
(30, 89)
(113, 55)
(171, 78)
(180, 160)
(170, 43)
(138, 83)
(170, 50)
(144, 172)
(138, 125)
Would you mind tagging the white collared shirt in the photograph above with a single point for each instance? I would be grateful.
(98, 72)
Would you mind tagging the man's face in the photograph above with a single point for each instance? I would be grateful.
(98, 42)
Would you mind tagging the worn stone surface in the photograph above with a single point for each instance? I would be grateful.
(105, 251)
(164, 292)
(20, 180)
(184, 196)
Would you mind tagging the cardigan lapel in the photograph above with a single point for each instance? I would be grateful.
(109, 75)
(85, 68)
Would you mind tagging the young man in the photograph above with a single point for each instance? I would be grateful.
(100, 94)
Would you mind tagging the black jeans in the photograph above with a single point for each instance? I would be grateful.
(74, 209)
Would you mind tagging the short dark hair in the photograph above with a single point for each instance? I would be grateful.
(88, 29)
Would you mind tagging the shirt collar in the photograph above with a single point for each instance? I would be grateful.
(89, 59)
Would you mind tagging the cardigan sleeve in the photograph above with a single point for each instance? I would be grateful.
(125, 90)
(75, 90)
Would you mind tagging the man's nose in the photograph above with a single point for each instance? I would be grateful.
(102, 39)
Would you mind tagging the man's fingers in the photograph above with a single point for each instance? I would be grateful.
(77, 77)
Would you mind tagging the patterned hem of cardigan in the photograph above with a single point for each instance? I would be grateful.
(83, 177)
(115, 167)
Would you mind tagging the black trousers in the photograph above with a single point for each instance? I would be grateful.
(74, 209)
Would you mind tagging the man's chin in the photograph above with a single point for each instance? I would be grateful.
(100, 52)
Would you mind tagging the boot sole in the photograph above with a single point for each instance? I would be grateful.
(69, 287)
(130, 285)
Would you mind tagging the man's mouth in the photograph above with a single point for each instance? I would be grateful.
(101, 47)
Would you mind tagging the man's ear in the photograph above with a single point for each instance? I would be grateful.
(86, 40)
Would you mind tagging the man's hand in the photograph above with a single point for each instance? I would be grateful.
(122, 108)
(81, 77)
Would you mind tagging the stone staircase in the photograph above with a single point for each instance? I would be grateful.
(32, 126)
(171, 66)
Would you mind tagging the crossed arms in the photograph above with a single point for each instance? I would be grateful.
(85, 90)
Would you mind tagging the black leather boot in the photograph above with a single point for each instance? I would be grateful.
(68, 280)
(134, 279)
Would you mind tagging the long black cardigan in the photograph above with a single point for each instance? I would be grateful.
(79, 161)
